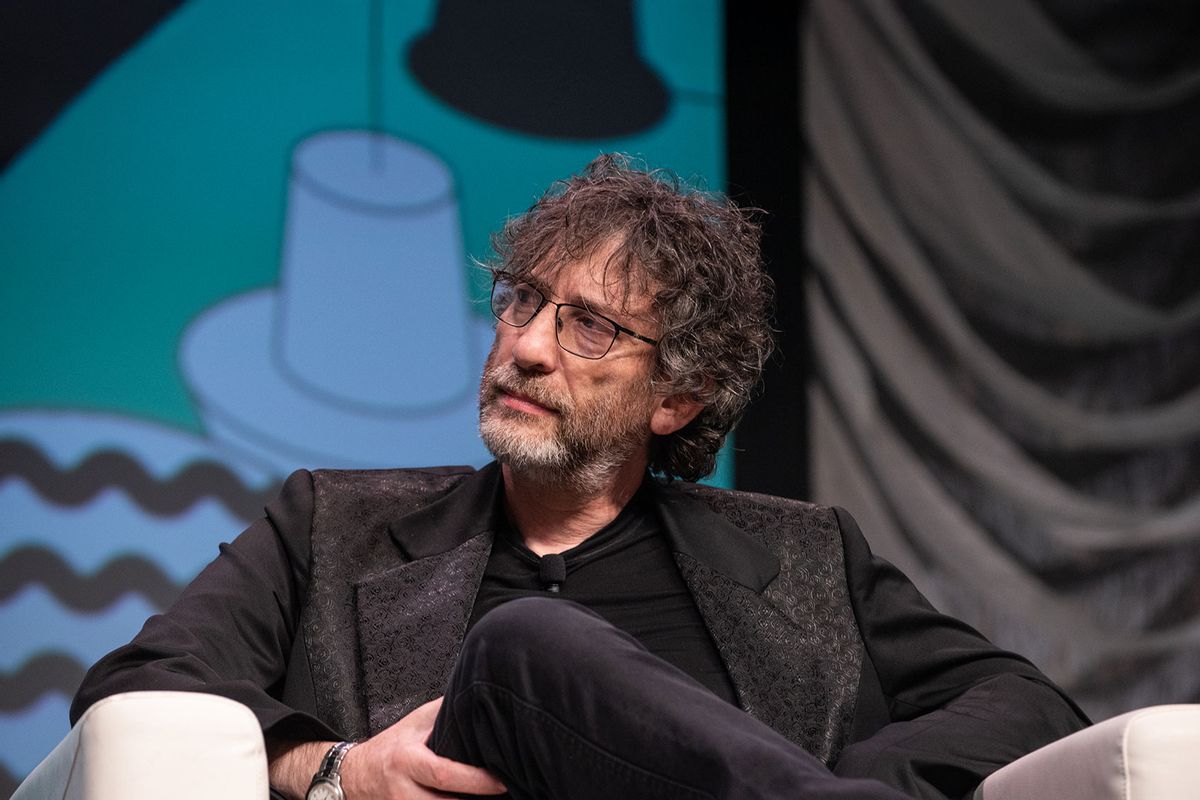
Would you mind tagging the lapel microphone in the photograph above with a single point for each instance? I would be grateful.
(552, 571)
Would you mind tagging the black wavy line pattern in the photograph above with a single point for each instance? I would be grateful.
(34, 564)
(111, 468)
(50, 672)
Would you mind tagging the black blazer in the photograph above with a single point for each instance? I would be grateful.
(344, 608)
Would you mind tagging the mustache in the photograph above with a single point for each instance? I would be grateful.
(510, 379)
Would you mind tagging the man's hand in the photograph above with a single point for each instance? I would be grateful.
(395, 764)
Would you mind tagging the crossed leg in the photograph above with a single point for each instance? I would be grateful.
(560, 704)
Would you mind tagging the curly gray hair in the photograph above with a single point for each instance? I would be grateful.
(697, 253)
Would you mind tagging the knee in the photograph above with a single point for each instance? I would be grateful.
(529, 630)
(531, 623)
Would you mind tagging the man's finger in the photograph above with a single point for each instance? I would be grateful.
(448, 775)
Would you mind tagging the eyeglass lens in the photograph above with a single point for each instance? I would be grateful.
(579, 331)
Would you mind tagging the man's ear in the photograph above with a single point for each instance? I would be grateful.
(673, 412)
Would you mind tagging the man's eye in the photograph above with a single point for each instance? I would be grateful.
(589, 326)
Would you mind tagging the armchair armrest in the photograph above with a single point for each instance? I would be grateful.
(151, 745)
(1149, 754)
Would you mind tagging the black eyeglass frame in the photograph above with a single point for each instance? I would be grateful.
(545, 301)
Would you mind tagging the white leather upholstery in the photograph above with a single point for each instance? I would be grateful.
(1149, 754)
(155, 745)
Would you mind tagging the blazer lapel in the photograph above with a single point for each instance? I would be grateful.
(726, 571)
(771, 590)
(411, 623)
(412, 618)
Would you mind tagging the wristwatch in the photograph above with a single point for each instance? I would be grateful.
(327, 783)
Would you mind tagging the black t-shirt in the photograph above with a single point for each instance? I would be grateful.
(626, 573)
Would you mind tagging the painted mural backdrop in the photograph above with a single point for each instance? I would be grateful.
(243, 244)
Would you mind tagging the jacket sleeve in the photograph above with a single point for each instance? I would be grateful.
(233, 629)
(957, 706)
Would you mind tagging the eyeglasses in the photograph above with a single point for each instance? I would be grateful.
(579, 331)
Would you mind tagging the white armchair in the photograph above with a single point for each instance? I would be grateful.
(1149, 754)
(155, 745)
(151, 745)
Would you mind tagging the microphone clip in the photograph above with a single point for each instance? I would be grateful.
(552, 572)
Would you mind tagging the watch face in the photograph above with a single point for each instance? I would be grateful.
(324, 790)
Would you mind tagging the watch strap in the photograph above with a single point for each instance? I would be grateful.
(331, 765)
(332, 762)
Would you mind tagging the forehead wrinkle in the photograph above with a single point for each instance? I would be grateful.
(619, 312)
(621, 289)
(578, 300)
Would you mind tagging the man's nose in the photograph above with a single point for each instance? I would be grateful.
(536, 347)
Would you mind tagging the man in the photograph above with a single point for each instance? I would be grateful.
(596, 632)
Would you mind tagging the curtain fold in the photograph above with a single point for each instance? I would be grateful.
(1005, 311)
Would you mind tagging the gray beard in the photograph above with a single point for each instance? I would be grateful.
(587, 447)
(546, 461)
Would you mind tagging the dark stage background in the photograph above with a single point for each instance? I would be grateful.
(986, 242)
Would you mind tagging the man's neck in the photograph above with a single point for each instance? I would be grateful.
(554, 518)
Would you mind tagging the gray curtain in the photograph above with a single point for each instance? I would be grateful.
(1001, 215)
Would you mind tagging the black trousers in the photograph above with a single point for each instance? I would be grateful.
(561, 705)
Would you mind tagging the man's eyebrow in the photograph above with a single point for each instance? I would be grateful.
(575, 299)
(594, 307)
